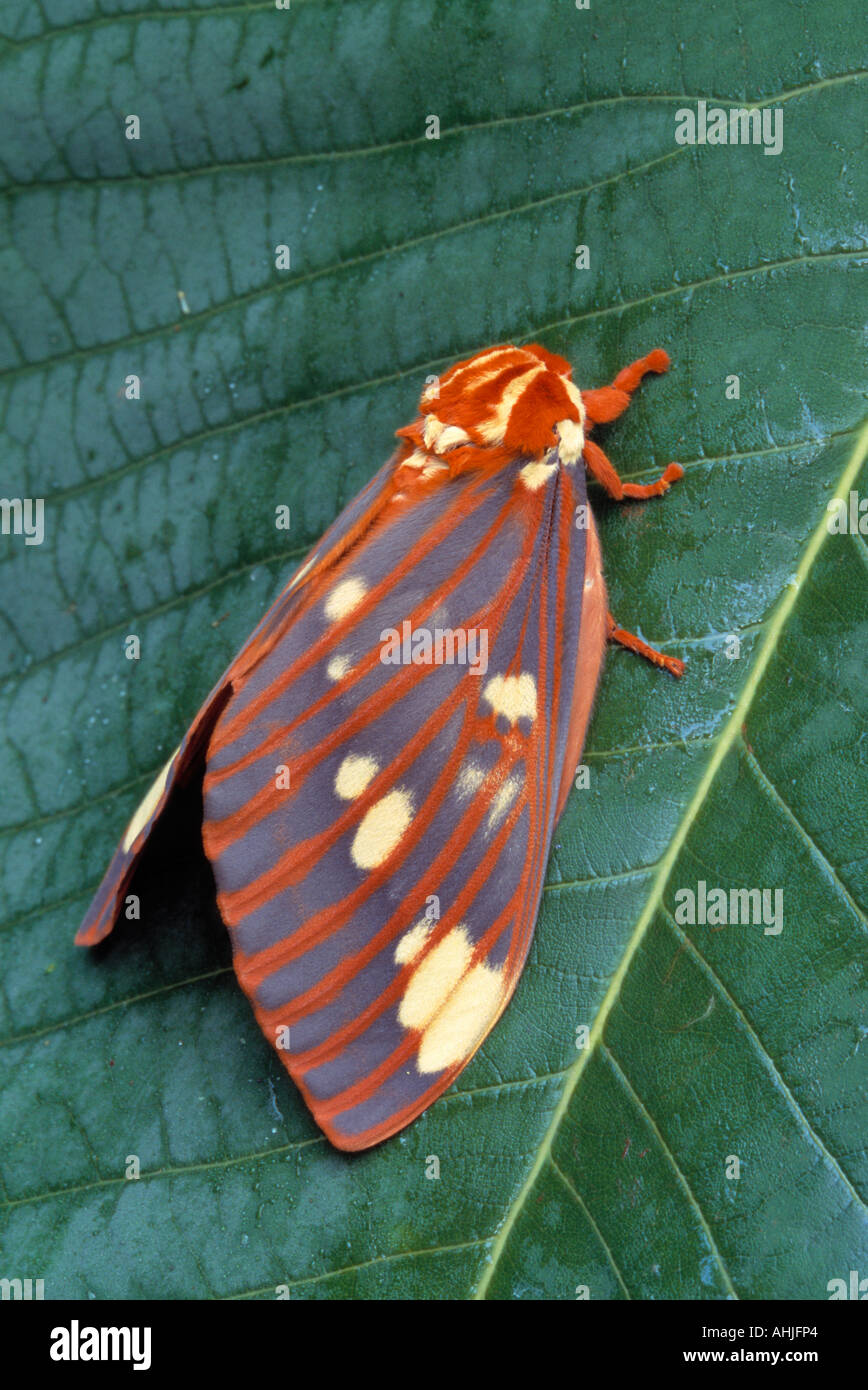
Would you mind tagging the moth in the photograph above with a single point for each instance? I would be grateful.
(387, 757)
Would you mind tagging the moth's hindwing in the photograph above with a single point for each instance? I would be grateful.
(379, 828)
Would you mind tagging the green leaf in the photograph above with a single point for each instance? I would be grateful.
(602, 1168)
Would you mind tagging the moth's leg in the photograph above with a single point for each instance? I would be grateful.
(609, 402)
(635, 644)
(600, 468)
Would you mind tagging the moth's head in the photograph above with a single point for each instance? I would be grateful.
(518, 401)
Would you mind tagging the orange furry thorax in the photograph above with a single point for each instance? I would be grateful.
(500, 404)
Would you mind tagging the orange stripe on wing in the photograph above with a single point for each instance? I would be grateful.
(229, 731)
(236, 905)
(226, 832)
(331, 985)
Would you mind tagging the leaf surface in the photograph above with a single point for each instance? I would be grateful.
(560, 1169)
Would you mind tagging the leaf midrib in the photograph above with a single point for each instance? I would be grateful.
(727, 740)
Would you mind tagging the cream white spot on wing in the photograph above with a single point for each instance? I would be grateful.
(536, 475)
(338, 667)
(381, 829)
(344, 597)
(463, 1021)
(412, 942)
(512, 696)
(470, 778)
(354, 774)
(148, 805)
(503, 800)
(435, 978)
